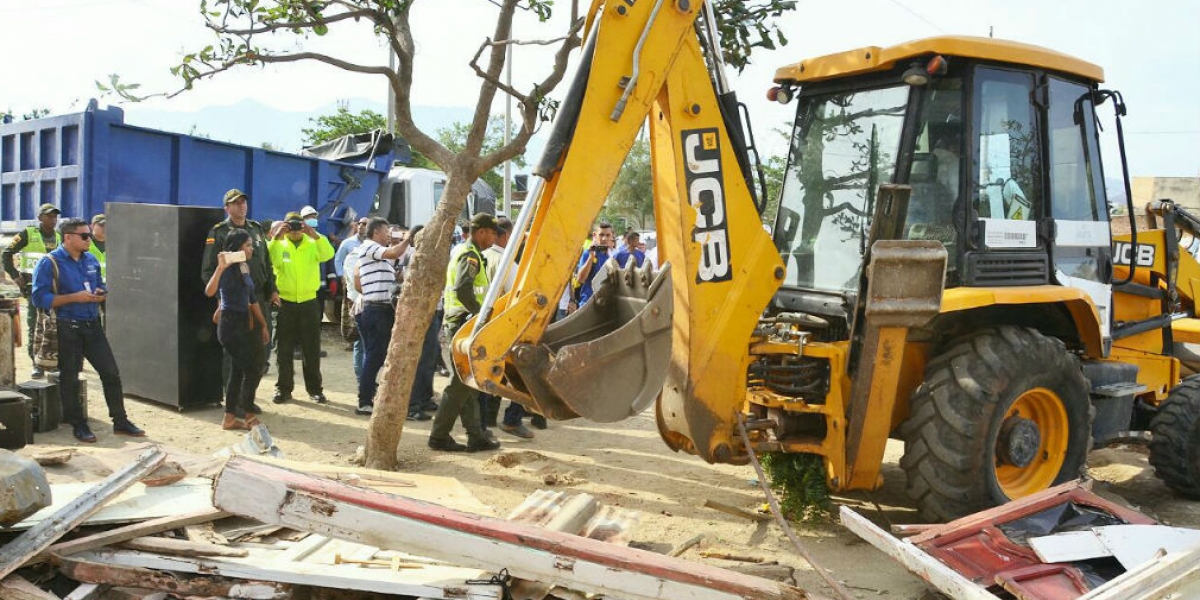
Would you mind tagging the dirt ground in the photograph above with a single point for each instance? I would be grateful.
(623, 464)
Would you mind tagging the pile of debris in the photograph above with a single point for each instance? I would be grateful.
(267, 528)
(1060, 544)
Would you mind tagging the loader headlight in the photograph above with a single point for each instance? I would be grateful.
(920, 74)
(780, 94)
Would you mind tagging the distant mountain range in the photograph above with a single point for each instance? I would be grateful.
(252, 123)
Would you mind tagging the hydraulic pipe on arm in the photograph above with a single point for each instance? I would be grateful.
(681, 337)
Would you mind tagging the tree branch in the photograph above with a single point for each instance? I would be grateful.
(405, 49)
(273, 27)
(531, 103)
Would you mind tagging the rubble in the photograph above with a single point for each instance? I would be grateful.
(1064, 543)
(325, 530)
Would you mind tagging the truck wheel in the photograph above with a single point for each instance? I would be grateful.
(1001, 415)
(1175, 447)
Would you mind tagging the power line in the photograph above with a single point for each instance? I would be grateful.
(917, 15)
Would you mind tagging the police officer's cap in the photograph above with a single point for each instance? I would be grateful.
(234, 195)
(484, 221)
(48, 209)
(98, 219)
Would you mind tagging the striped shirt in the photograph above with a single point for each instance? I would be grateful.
(376, 273)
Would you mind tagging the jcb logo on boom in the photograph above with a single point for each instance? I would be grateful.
(1123, 254)
(706, 194)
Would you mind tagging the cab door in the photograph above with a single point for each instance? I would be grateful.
(1082, 237)
(1008, 245)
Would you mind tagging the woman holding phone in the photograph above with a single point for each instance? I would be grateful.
(241, 329)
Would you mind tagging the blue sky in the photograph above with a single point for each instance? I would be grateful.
(56, 49)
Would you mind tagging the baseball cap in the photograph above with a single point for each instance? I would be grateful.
(234, 194)
(484, 221)
(292, 216)
(48, 209)
(307, 210)
(98, 219)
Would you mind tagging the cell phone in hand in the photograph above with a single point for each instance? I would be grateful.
(235, 257)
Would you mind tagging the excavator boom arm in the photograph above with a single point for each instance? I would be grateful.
(681, 337)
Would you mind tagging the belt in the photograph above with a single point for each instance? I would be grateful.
(79, 323)
(380, 303)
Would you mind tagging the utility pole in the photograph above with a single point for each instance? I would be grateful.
(391, 94)
(508, 207)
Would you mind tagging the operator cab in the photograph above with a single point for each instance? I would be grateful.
(997, 140)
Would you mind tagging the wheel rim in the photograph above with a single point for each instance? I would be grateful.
(1042, 409)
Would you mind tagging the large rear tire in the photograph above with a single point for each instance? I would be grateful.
(1175, 446)
(1002, 414)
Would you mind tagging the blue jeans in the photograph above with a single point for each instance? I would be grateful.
(374, 329)
(358, 358)
(422, 389)
(513, 414)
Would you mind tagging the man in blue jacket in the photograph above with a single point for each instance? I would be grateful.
(68, 281)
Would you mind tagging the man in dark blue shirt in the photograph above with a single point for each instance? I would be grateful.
(593, 259)
(633, 239)
(68, 281)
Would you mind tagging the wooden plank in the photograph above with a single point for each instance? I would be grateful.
(446, 491)
(275, 495)
(433, 581)
(1133, 545)
(138, 503)
(86, 591)
(198, 585)
(15, 587)
(38, 538)
(136, 530)
(945, 579)
(181, 547)
(735, 511)
(302, 549)
(1154, 579)
(1069, 546)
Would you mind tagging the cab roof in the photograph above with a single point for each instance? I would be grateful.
(874, 59)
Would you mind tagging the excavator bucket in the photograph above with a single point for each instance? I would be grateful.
(608, 360)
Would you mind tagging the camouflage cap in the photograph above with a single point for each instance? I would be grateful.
(484, 221)
(98, 219)
(48, 209)
(235, 194)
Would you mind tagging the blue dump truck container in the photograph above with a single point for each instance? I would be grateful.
(79, 162)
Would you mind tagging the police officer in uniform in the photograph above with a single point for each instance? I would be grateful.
(32, 244)
(261, 273)
(99, 241)
(466, 285)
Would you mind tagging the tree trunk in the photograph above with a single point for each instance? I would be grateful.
(423, 286)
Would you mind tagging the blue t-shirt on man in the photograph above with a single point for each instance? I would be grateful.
(585, 287)
(73, 276)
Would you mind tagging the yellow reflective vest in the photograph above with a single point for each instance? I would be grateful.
(35, 248)
(480, 285)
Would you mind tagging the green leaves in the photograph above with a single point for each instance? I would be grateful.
(341, 123)
(746, 24)
(800, 478)
(119, 88)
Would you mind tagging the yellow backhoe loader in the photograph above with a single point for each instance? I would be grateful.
(941, 268)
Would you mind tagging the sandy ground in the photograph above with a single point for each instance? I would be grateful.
(623, 464)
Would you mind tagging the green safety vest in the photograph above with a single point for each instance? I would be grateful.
(449, 298)
(35, 249)
(99, 254)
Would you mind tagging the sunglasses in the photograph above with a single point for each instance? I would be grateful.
(82, 236)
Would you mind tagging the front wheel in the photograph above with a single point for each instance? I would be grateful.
(1002, 414)
(1175, 445)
